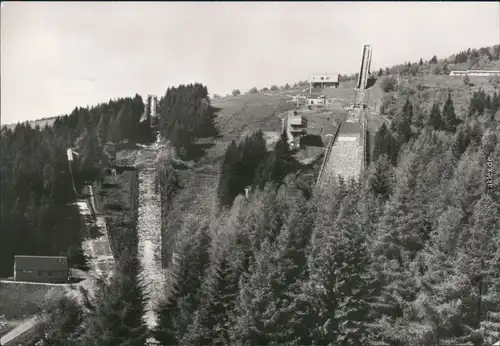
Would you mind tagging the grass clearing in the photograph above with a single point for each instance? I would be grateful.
(115, 201)
(20, 300)
(423, 91)
(241, 115)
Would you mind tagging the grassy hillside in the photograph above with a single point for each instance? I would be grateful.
(423, 91)
(18, 300)
(238, 116)
(42, 123)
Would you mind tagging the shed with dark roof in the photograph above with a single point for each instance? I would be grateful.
(49, 269)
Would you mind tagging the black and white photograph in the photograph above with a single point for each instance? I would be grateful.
(250, 173)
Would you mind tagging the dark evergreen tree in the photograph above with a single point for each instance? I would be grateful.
(385, 144)
(340, 284)
(278, 165)
(183, 299)
(459, 144)
(117, 317)
(381, 178)
(408, 111)
(449, 117)
(435, 121)
(241, 167)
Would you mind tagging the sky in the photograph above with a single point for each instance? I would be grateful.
(59, 55)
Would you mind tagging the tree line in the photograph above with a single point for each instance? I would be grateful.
(37, 186)
(408, 256)
(186, 114)
(248, 165)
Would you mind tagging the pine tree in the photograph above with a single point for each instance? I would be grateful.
(449, 117)
(62, 321)
(421, 62)
(101, 131)
(459, 144)
(403, 231)
(182, 300)
(212, 323)
(408, 111)
(125, 121)
(385, 144)
(381, 178)
(403, 131)
(340, 283)
(227, 188)
(114, 131)
(435, 121)
(278, 165)
(168, 313)
(485, 261)
(277, 276)
(118, 315)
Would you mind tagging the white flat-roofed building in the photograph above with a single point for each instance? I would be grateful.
(475, 73)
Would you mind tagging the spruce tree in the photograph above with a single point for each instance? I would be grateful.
(212, 323)
(62, 321)
(118, 314)
(340, 284)
(403, 131)
(385, 144)
(449, 117)
(479, 261)
(459, 144)
(381, 178)
(408, 111)
(182, 300)
(435, 121)
(227, 189)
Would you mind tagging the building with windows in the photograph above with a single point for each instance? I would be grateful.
(316, 101)
(48, 269)
(323, 81)
(475, 73)
(295, 126)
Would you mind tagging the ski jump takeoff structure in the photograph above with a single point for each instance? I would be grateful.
(345, 154)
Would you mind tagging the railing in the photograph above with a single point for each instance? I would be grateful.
(363, 143)
(365, 64)
(360, 95)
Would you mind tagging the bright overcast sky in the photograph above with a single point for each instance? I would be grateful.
(58, 55)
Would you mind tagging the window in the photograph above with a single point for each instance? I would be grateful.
(321, 78)
(327, 78)
(27, 271)
(49, 273)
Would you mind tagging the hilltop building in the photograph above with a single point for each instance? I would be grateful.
(323, 81)
(475, 73)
